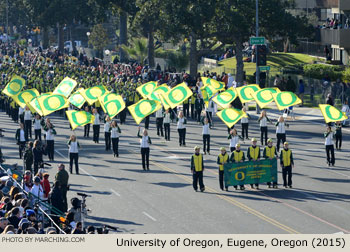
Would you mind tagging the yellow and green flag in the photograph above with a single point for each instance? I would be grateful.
(34, 104)
(77, 99)
(79, 118)
(230, 116)
(245, 92)
(177, 95)
(112, 104)
(224, 99)
(143, 108)
(332, 114)
(216, 85)
(92, 94)
(52, 103)
(157, 95)
(14, 86)
(26, 96)
(264, 96)
(286, 99)
(146, 89)
(207, 93)
(65, 87)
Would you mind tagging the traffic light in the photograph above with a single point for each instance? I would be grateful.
(262, 53)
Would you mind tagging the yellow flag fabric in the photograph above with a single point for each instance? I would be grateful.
(34, 104)
(112, 104)
(332, 114)
(230, 116)
(157, 95)
(224, 99)
(178, 95)
(143, 108)
(245, 92)
(264, 96)
(65, 87)
(79, 118)
(286, 99)
(26, 96)
(77, 99)
(14, 86)
(52, 103)
(216, 85)
(207, 93)
(146, 89)
(91, 94)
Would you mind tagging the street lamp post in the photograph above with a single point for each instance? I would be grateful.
(257, 72)
(88, 35)
(107, 53)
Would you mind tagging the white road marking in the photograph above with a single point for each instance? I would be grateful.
(149, 216)
(115, 193)
(59, 153)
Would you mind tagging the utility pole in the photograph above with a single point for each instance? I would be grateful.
(257, 72)
(7, 18)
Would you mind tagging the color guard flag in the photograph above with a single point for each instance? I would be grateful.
(231, 116)
(146, 89)
(26, 96)
(14, 86)
(207, 93)
(52, 103)
(245, 92)
(264, 96)
(65, 87)
(34, 104)
(332, 114)
(224, 99)
(177, 95)
(157, 95)
(143, 108)
(77, 99)
(79, 118)
(112, 104)
(286, 99)
(91, 94)
(216, 85)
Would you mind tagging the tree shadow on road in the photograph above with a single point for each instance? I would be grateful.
(171, 185)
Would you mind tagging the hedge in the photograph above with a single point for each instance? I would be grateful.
(319, 71)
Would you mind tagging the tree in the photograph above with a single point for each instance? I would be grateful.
(99, 39)
(137, 49)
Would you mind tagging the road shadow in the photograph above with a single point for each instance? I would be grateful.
(113, 221)
(171, 185)
(91, 192)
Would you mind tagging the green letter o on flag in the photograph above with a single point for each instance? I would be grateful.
(138, 111)
(14, 87)
(75, 120)
(280, 101)
(47, 105)
(227, 119)
(171, 97)
(329, 114)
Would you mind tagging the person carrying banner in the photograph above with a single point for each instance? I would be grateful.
(115, 131)
(181, 128)
(280, 131)
(338, 135)
(328, 135)
(167, 121)
(197, 168)
(107, 128)
(145, 141)
(234, 139)
(206, 135)
(270, 153)
(287, 163)
(263, 119)
(253, 154)
(237, 156)
(159, 122)
(73, 146)
(223, 158)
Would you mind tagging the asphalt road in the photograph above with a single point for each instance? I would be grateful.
(162, 200)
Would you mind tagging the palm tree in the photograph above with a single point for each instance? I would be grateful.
(137, 49)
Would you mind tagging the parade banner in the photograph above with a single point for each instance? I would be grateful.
(79, 118)
(14, 86)
(216, 85)
(286, 99)
(92, 94)
(250, 172)
(143, 108)
(231, 116)
(65, 87)
(26, 96)
(34, 104)
(52, 103)
(178, 95)
(77, 99)
(112, 104)
(245, 92)
(332, 114)
(264, 96)
(207, 93)
(224, 99)
(146, 89)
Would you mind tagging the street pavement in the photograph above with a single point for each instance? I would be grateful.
(162, 200)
